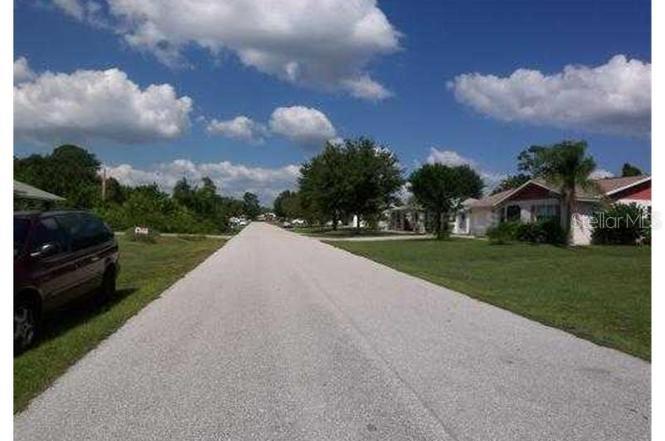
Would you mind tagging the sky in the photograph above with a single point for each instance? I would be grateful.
(244, 91)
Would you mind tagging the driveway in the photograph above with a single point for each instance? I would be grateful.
(281, 337)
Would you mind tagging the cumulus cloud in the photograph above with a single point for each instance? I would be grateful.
(454, 159)
(22, 71)
(230, 179)
(240, 127)
(89, 104)
(601, 173)
(308, 127)
(612, 98)
(324, 43)
(365, 87)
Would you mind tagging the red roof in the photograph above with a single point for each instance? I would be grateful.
(605, 186)
(610, 185)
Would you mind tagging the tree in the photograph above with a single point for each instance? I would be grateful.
(279, 202)
(630, 170)
(287, 204)
(115, 192)
(440, 188)
(183, 193)
(323, 183)
(565, 165)
(251, 205)
(373, 178)
(357, 177)
(69, 171)
(510, 182)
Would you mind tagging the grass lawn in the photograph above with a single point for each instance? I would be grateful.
(599, 293)
(343, 232)
(146, 271)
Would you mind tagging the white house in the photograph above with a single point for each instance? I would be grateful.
(536, 199)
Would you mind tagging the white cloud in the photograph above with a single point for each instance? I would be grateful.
(240, 127)
(75, 8)
(231, 179)
(308, 127)
(447, 157)
(22, 71)
(89, 104)
(323, 43)
(612, 98)
(601, 173)
(454, 159)
(365, 87)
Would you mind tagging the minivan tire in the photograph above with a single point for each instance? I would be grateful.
(108, 287)
(26, 324)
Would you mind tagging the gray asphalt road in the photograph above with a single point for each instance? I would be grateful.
(281, 337)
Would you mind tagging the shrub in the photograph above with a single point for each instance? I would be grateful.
(151, 237)
(503, 232)
(621, 224)
(543, 231)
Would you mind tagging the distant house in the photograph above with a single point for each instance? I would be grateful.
(410, 218)
(536, 199)
(25, 191)
(29, 197)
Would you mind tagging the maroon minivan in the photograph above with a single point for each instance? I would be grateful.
(58, 256)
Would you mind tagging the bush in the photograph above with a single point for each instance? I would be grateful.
(543, 231)
(621, 224)
(503, 232)
(151, 237)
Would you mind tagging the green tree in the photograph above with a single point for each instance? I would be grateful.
(565, 165)
(324, 185)
(288, 204)
(69, 171)
(630, 170)
(251, 206)
(357, 177)
(278, 203)
(510, 182)
(440, 188)
(183, 193)
(373, 178)
(116, 193)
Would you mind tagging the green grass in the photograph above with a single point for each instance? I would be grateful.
(342, 232)
(146, 271)
(601, 293)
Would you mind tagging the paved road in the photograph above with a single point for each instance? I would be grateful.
(281, 337)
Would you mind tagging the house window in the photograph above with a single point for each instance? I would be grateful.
(542, 212)
(513, 213)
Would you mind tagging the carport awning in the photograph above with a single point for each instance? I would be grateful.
(26, 191)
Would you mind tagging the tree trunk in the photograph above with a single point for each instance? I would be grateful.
(569, 201)
(334, 221)
(357, 224)
(437, 224)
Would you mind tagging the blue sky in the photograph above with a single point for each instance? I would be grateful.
(408, 56)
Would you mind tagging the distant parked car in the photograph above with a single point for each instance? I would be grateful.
(287, 224)
(58, 257)
(299, 222)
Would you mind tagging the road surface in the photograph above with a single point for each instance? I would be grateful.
(281, 337)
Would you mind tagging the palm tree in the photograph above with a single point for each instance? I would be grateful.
(565, 165)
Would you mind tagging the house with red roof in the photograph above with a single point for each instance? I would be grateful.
(537, 199)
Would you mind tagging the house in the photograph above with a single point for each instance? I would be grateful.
(407, 218)
(536, 200)
(25, 191)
